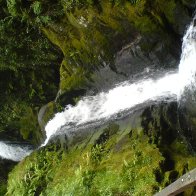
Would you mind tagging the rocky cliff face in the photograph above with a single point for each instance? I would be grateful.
(128, 38)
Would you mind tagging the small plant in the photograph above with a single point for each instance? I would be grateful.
(97, 154)
(13, 7)
(87, 177)
(37, 7)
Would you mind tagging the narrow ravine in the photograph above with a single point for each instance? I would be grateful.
(124, 96)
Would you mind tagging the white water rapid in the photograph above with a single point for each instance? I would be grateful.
(127, 95)
(14, 152)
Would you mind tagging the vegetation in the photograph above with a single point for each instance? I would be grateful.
(29, 66)
(118, 162)
(48, 46)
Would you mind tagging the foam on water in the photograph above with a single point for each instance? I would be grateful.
(104, 105)
(14, 152)
(187, 66)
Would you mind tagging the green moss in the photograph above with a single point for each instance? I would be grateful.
(85, 37)
(29, 127)
(85, 30)
(179, 150)
(145, 25)
(112, 162)
(49, 111)
(103, 172)
(72, 78)
(179, 160)
(103, 169)
(168, 8)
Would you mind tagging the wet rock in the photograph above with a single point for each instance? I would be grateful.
(187, 117)
(45, 114)
(160, 123)
(144, 55)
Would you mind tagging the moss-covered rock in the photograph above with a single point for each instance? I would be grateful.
(127, 36)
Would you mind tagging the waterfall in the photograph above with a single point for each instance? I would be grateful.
(127, 95)
(107, 104)
(14, 152)
(187, 66)
(124, 96)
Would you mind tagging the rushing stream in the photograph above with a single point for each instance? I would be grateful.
(125, 96)
(13, 151)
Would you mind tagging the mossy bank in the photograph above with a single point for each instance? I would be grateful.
(112, 161)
